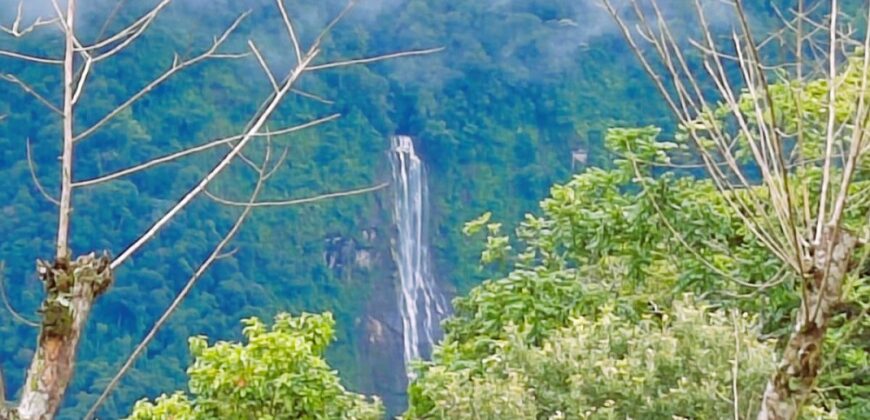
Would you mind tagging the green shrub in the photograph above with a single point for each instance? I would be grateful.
(279, 373)
(677, 365)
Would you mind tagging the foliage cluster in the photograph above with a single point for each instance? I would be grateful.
(687, 364)
(278, 373)
(603, 262)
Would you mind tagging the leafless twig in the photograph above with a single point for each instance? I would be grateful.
(17, 31)
(216, 254)
(196, 149)
(290, 30)
(177, 66)
(24, 86)
(35, 178)
(10, 309)
(369, 60)
(285, 203)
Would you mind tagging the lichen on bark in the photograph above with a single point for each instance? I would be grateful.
(793, 383)
(70, 290)
(89, 274)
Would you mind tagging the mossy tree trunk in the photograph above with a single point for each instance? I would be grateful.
(794, 379)
(71, 289)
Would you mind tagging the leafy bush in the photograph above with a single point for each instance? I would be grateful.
(679, 365)
(279, 373)
(591, 285)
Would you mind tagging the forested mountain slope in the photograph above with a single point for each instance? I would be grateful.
(519, 87)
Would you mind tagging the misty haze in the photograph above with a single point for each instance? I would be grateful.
(434, 209)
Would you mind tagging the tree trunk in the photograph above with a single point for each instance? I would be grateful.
(71, 289)
(795, 377)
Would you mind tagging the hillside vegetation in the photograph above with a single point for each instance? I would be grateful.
(597, 270)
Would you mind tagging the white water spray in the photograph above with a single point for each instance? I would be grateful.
(422, 307)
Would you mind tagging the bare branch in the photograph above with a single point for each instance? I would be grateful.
(312, 96)
(760, 143)
(175, 68)
(829, 137)
(16, 30)
(128, 34)
(782, 194)
(228, 254)
(24, 86)
(679, 237)
(680, 107)
(12, 311)
(263, 64)
(278, 163)
(290, 31)
(196, 149)
(735, 368)
(859, 133)
(118, 6)
(297, 200)
(328, 28)
(258, 123)
(33, 175)
(33, 58)
(82, 79)
(216, 254)
(799, 104)
(63, 224)
(120, 47)
(69, 34)
(375, 59)
(861, 121)
(816, 250)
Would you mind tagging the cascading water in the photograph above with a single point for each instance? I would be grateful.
(421, 306)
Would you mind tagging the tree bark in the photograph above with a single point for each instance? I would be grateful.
(794, 380)
(5, 411)
(66, 168)
(71, 289)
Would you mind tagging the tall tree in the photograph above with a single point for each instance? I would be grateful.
(74, 281)
(780, 123)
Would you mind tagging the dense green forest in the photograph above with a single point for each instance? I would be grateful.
(499, 116)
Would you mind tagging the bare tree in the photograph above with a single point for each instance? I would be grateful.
(73, 283)
(732, 104)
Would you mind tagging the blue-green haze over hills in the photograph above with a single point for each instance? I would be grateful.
(519, 99)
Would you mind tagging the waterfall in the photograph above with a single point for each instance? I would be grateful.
(421, 306)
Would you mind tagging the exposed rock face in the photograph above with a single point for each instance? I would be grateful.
(363, 260)
(337, 252)
(342, 253)
(381, 350)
